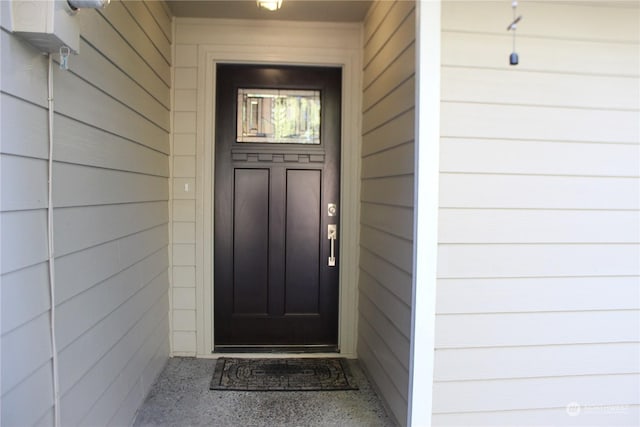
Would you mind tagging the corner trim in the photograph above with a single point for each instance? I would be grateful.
(426, 202)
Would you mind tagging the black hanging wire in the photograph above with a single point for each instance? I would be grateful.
(513, 58)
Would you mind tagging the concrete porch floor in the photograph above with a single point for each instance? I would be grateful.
(181, 397)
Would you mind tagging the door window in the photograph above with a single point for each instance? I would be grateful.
(278, 116)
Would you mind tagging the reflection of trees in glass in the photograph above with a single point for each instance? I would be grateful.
(279, 116)
(314, 114)
(295, 117)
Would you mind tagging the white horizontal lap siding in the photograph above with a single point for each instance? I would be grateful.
(110, 177)
(183, 225)
(539, 262)
(387, 200)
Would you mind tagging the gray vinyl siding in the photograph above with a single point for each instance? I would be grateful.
(111, 192)
(538, 302)
(386, 232)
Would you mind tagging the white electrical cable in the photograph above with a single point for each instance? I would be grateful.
(52, 281)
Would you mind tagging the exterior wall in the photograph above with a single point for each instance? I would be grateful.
(386, 233)
(538, 292)
(183, 203)
(199, 45)
(110, 178)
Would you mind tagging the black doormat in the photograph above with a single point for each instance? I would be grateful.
(282, 375)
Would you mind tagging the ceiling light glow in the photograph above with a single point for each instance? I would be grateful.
(271, 5)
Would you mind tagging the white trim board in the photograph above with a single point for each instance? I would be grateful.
(426, 202)
(277, 51)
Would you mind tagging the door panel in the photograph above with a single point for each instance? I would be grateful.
(251, 241)
(273, 286)
(302, 276)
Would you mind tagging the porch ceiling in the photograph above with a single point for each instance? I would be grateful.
(292, 10)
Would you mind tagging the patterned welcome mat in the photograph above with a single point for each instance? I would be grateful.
(282, 375)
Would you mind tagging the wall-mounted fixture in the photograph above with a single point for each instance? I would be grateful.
(88, 4)
(269, 4)
(513, 58)
(49, 25)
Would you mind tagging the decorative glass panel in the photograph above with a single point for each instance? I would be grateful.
(279, 116)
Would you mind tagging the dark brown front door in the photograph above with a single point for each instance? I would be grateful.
(277, 163)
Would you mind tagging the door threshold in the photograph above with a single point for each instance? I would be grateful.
(280, 350)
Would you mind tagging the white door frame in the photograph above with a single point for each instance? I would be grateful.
(349, 58)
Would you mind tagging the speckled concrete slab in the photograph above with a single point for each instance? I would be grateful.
(181, 397)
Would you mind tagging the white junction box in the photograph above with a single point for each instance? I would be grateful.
(46, 24)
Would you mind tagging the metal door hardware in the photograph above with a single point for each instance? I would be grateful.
(332, 234)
